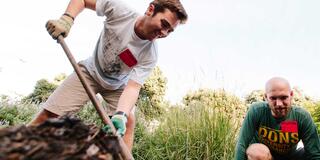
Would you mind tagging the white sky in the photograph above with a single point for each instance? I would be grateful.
(231, 44)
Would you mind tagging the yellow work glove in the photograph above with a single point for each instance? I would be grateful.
(60, 26)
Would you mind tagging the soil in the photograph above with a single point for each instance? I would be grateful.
(66, 138)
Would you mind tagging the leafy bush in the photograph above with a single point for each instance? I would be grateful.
(316, 114)
(43, 89)
(151, 99)
(41, 92)
(220, 100)
(255, 96)
(16, 112)
(89, 115)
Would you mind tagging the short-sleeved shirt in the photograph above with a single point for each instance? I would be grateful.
(120, 54)
(280, 135)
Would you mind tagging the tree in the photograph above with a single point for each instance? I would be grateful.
(43, 89)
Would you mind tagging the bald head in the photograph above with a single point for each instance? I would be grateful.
(279, 96)
(277, 83)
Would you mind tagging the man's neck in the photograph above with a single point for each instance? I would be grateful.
(138, 27)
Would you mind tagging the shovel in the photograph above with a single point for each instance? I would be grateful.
(105, 118)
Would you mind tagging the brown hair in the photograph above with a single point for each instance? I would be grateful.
(173, 5)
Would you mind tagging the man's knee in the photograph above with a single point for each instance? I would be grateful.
(258, 151)
(42, 116)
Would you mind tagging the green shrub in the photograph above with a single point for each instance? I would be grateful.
(220, 100)
(316, 114)
(41, 92)
(16, 112)
(151, 98)
(43, 89)
(89, 114)
(254, 96)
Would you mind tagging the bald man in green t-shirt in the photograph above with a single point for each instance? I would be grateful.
(272, 129)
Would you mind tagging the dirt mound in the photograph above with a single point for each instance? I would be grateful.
(58, 139)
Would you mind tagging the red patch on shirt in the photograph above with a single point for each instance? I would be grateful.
(289, 126)
(127, 57)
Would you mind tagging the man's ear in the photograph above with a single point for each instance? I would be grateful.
(291, 93)
(265, 96)
(150, 10)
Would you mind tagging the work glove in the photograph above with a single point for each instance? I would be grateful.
(60, 26)
(119, 121)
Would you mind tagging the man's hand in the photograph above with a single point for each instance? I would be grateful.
(60, 26)
(119, 121)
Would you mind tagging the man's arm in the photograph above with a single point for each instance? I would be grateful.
(126, 102)
(129, 97)
(242, 144)
(77, 6)
(310, 138)
(63, 25)
(246, 134)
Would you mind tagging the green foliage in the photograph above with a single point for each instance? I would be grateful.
(59, 78)
(16, 112)
(255, 96)
(299, 97)
(316, 114)
(89, 115)
(41, 92)
(140, 134)
(43, 89)
(194, 132)
(220, 100)
(151, 99)
(4, 100)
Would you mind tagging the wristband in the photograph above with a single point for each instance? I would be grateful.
(68, 15)
(121, 113)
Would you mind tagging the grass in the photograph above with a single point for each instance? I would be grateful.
(196, 132)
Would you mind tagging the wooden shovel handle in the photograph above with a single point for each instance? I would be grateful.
(105, 118)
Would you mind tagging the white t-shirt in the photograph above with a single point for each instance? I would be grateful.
(120, 54)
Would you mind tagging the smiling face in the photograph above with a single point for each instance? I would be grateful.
(279, 97)
(153, 26)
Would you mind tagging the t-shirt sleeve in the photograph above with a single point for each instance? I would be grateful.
(246, 133)
(310, 137)
(112, 9)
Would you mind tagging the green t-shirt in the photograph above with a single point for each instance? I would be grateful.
(280, 135)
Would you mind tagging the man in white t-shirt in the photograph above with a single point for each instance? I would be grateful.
(124, 56)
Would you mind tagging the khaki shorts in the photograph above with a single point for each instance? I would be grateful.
(70, 96)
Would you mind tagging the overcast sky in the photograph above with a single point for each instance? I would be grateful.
(233, 44)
